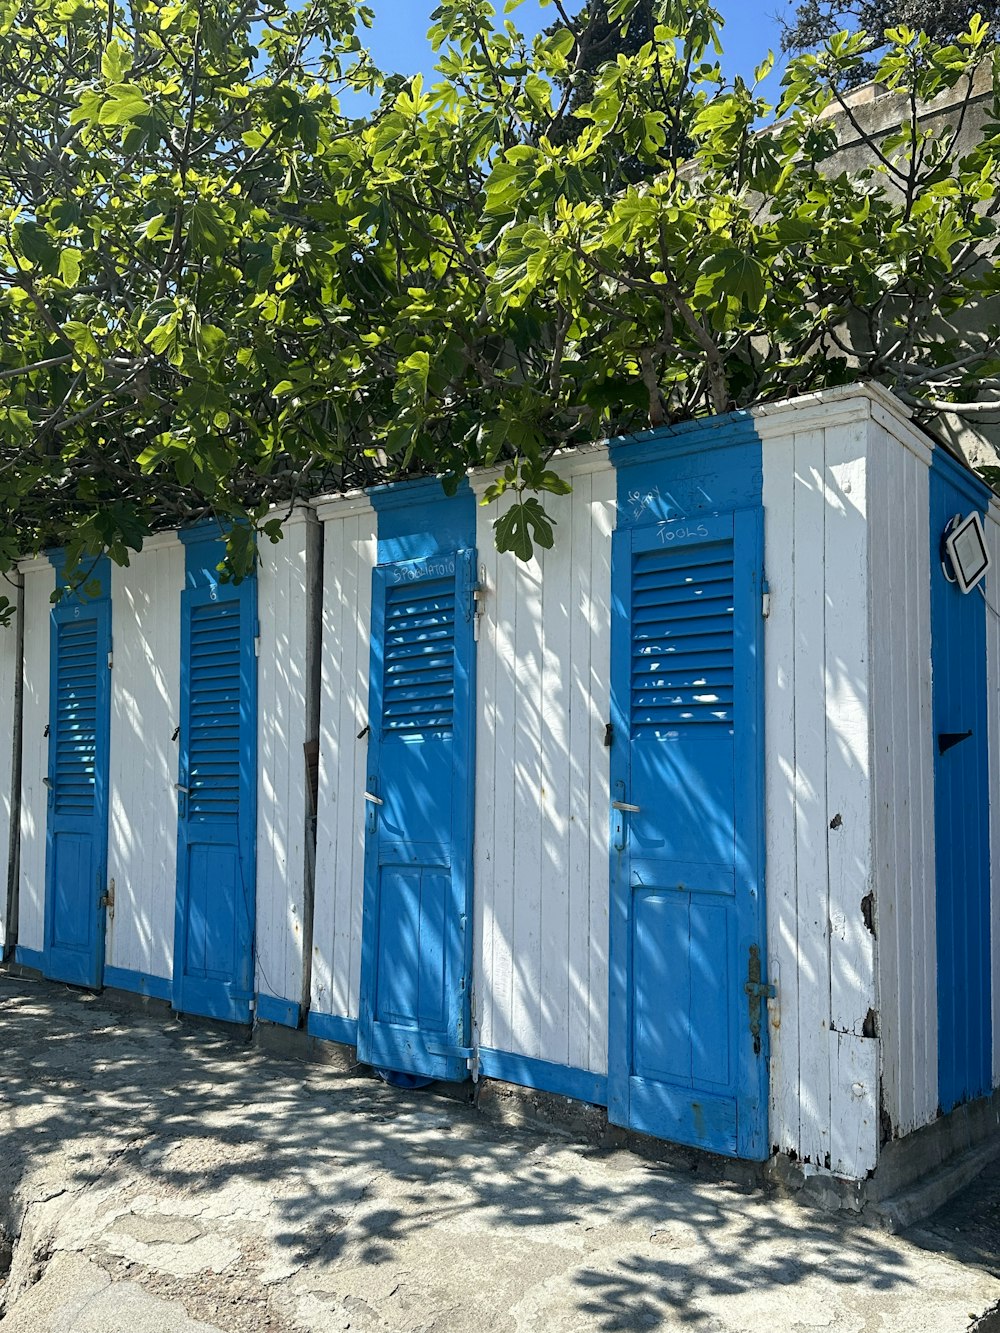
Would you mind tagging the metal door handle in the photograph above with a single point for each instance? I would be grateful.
(375, 800)
(624, 805)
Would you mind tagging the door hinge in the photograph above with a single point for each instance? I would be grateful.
(107, 900)
(256, 645)
(757, 992)
(478, 602)
(111, 659)
(765, 599)
(458, 1052)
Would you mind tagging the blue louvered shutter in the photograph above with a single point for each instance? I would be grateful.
(76, 717)
(214, 736)
(414, 1007)
(687, 883)
(682, 637)
(419, 657)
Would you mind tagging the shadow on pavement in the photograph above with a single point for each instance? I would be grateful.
(85, 1088)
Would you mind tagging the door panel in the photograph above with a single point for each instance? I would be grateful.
(213, 966)
(687, 872)
(77, 843)
(418, 854)
(961, 808)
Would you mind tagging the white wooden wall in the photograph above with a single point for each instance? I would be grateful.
(903, 769)
(39, 584)
(824, 1071)
(541, 819)
(286, 711)
(993, 677)
(145, 713)
(349, 556)
(10, 667)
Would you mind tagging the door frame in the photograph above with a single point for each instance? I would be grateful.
(93, 978)
(749, 761)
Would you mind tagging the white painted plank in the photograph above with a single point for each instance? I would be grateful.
(602, 519)
(810, 798)
(145, 712)
(890, 731)
(349, 556)
(484, 920)
(553, 811)
(581, 727)
(324, 904)
(849, 838)
(283, 728)
(779, 786)
(854, 1132)
(527, 791)
(10, 666)
(501, 1031)
(542, 802)
(38, 586)
(902, 776)
(853, 1000)
(891, 740)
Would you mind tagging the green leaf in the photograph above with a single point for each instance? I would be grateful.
(524, 524)
(206, 230)
(81, 337)
(115, 62)
(125, 103)
(732, 273)
(69, 267)
(37, 247)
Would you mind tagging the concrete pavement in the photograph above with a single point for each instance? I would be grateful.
(161, 1178)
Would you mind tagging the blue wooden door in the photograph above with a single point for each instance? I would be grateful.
(687, 1046)
(418, 851)
(961, 804)
(77, 831)
(214, 935)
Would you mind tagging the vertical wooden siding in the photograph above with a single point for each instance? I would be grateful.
(541, 852)
(349, 555)
(9, 667)
(903, 773)
(993, 714)
(145, 712)
(39, 581)
(824, 1069)
(285, 713)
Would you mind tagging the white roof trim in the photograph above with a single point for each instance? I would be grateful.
(568, 463)
(331, 507)
(36, 565)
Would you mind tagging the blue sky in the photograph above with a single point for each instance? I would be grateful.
(398, 39)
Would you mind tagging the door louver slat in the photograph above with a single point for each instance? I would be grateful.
(419, 669)
(682, 638)
(75, 760)
(214, 741)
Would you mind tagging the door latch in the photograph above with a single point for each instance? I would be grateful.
(757, 992)
(621, 808)
(372, 803)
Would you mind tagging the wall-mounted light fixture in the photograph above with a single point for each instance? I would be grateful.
(964, 557)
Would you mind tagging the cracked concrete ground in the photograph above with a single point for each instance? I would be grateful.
(161, 1178)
